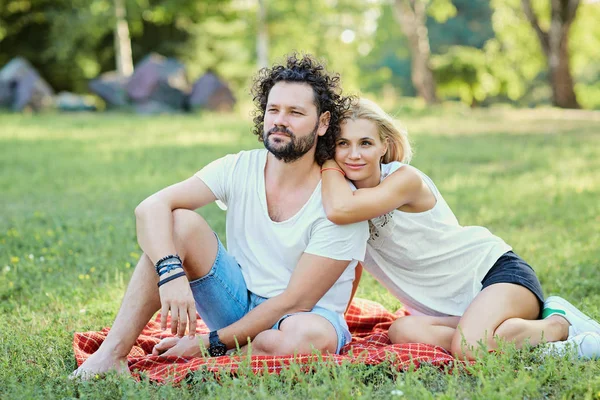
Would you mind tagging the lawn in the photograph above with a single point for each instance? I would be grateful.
(69, 185)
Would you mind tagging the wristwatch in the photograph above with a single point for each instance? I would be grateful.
(216, 348)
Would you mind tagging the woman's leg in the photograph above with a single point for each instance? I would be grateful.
(508, 311)
(437, 331)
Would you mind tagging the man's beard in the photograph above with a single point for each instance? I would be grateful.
(294, 149)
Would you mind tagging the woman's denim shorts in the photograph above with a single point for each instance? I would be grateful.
(510, 268)
(222, 298)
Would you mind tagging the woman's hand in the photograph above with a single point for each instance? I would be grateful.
(330, 164)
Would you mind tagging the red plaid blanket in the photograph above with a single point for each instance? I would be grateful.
(368, 321)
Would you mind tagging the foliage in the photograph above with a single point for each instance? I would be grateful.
(515, 59)
(440, 10)
(75, 38)
(386, 64)
(462, 73)
(67, 242)
(71, 41)
(457, 23)
(469, 26)
(335, 31)
(585, 57)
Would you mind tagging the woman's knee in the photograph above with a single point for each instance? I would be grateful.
(510, 329)
(470, 343)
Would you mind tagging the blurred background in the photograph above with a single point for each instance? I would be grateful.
(155, 56)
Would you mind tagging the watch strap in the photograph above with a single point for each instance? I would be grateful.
(216, 347)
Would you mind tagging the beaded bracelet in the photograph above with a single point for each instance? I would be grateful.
(165, 269)
(165, 258)
(170, 278)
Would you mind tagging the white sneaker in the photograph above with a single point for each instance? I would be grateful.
(580, 323)
(585, 345)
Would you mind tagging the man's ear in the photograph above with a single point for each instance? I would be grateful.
(324, 123)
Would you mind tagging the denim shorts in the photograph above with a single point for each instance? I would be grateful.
(510, 268)
(222, 298)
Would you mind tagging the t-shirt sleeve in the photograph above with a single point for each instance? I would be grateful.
(218, 176)
(339, 242)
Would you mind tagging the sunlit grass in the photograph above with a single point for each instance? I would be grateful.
(69, 184)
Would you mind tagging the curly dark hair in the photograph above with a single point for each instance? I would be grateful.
(326, 87)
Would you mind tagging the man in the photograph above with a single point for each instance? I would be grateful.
(286, 279)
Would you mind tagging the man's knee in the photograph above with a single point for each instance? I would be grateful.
(267, 343)
(303, 333)
(188, 224)
(195, 242)
(407, 330)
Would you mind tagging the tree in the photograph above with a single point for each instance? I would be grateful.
(412, 17)
(262, 37)
(555, 45)
(335, 31)
(123, 57)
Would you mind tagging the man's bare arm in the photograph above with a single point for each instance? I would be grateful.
(154, 221)
(312, 278)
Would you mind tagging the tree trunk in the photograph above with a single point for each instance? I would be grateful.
(411, 15)
(123, 57)
(563, 93)
(262, 38)
(555, 44)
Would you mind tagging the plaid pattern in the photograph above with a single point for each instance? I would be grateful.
(368, 322)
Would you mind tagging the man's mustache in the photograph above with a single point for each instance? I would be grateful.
(280, 129)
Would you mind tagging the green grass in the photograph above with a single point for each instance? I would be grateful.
(69, 184)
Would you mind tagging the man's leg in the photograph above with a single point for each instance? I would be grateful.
(303, 332)
(297, 334)
(140, 302)
(197, 246)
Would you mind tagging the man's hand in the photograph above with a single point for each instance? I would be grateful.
(176, 297)
(180, 347)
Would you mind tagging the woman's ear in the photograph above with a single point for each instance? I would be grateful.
(385, 147)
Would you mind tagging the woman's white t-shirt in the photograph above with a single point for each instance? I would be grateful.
(427, 260)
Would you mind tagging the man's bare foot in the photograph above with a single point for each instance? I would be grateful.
(98, 364)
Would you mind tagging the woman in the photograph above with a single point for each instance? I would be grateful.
(463, 285)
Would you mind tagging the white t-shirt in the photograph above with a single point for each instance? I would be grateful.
(268, 251)
(427, 260)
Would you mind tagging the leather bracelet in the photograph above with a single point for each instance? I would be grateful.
(170, 278)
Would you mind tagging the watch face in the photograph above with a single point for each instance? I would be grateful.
(217, 350)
